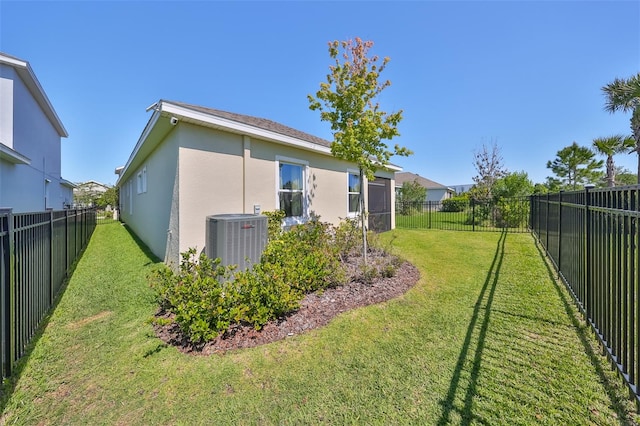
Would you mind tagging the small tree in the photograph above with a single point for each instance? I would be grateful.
(108, 198)
(575, 166)
(413, 192)
(610, 146)
(347, 100)
(410, 194)
(624, 95)
(489, 166)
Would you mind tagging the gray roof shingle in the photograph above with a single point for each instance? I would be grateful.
(261, 123)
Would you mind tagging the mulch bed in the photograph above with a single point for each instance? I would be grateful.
(316, 310)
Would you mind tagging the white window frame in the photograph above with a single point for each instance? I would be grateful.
(130, 196)
(356, 172)
(141, 180)
(292, 220)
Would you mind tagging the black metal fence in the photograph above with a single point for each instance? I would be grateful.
(36, 252)
(510, 214)
(592, 238)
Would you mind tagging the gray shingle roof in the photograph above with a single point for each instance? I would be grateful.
(402, 177)
(261, 123)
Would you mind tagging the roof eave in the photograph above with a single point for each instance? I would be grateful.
(12, 155)
(237, 127)
(29, 78)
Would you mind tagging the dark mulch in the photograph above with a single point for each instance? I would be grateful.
(316, 310)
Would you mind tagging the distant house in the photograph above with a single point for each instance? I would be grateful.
(461, 189)
(435, 191)
(192, 162)
(87, 192)
(30, 143)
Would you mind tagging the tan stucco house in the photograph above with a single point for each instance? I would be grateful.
(191, 162)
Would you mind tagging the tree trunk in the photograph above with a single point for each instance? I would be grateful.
(635, 130)
(363, 218)
(611, 172)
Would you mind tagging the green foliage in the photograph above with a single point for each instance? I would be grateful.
(575, 166)
(199, 294)
(624, 95)
(516, 184)
(306, 257)
(625, 177)
(274, 223)
(411, 198)
(610, 146)
(347, 238)
(512, 212)
(108, 198)
(207, 298)
(347, 100)
(455, 204)
(412, 192)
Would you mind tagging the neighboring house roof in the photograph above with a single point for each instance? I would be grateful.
(29, 78)
(91, 186)
(402, 177)
(169, 113)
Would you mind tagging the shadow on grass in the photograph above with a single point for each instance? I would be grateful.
(488, 292)
(9, 384)
(141, 245)
(588, 342)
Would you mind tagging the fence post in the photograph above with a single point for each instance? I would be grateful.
(587, 263)
(546, 225)
(560, 231)
(51, 259)
(7, 296)
(473, 215)
(429, 207)
(66, 241)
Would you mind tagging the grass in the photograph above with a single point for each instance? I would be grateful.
(485, 337)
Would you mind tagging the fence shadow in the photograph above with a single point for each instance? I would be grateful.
(483, 303)
(587, 339)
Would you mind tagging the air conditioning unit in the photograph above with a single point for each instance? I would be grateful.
(237, 239)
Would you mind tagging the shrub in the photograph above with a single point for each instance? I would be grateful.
(512, 213)
(274, 223)
(199, 294)
(308, 259)
(347, 237)
(455, 204)
(207, 298)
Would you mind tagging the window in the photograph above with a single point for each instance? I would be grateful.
(353, 192)
(291, 188)
(130, 196)
(142, 180)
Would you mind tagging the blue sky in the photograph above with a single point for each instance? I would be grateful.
(526, 75)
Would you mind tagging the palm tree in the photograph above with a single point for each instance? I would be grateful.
(624, 95)
(610, 146)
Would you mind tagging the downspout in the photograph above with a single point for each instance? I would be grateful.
(246, 153)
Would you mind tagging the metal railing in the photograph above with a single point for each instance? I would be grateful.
(592, 238)
(37, 251)
(507, 214)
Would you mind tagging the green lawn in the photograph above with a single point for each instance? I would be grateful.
(485, 337)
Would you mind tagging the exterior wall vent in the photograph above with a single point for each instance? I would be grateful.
(237, 239)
